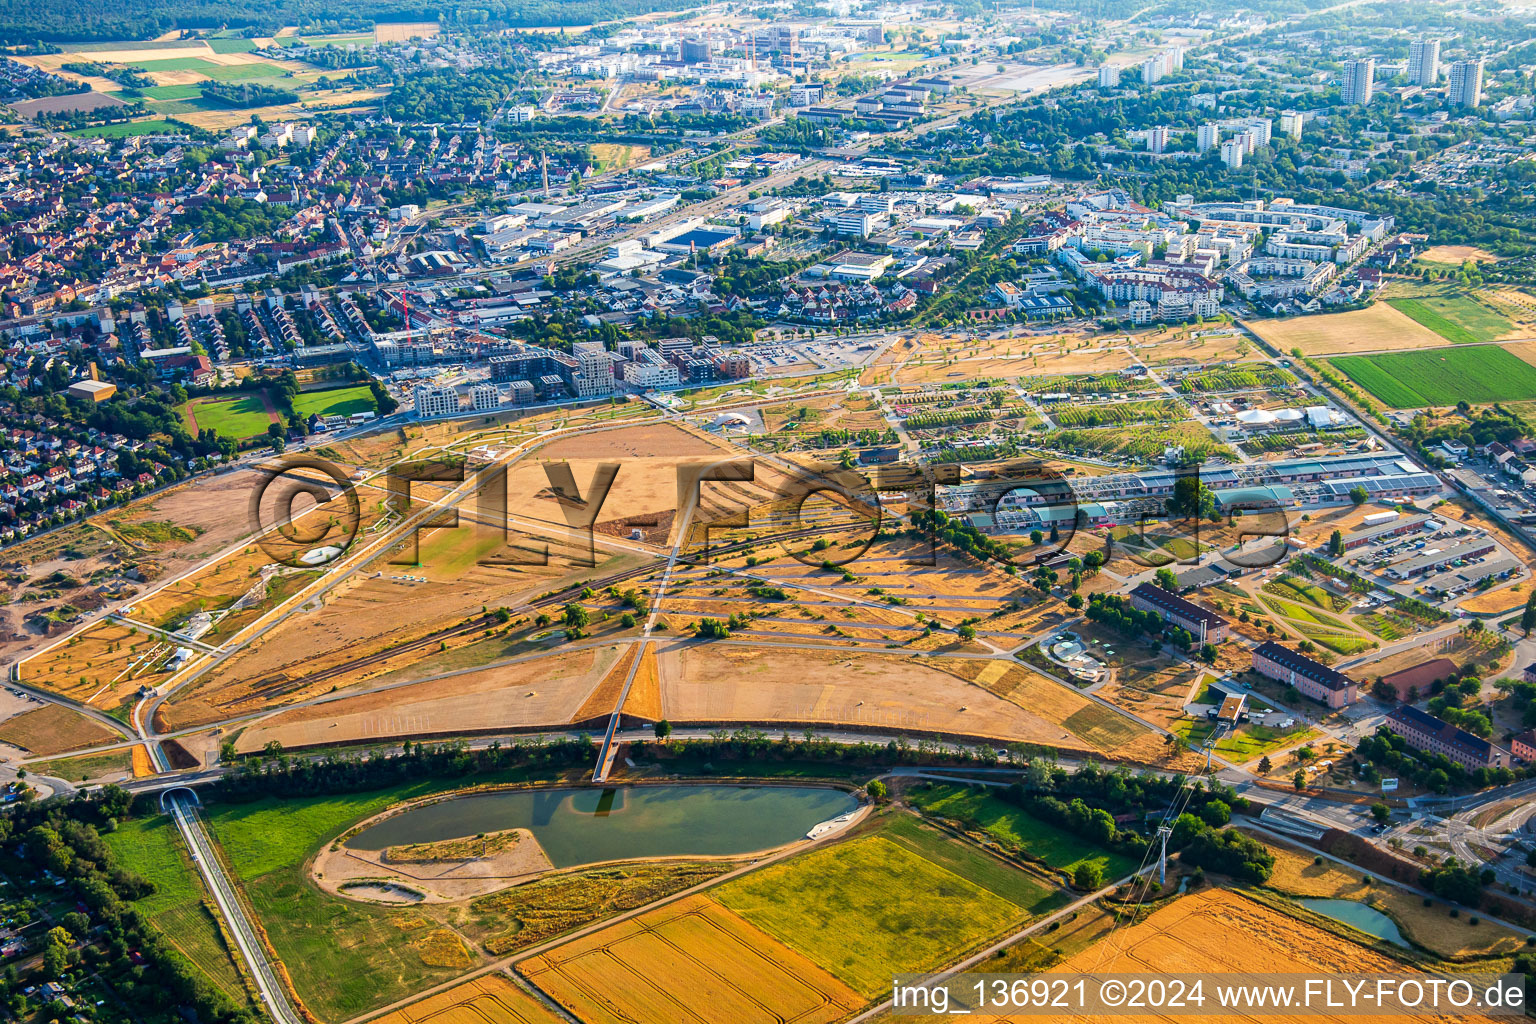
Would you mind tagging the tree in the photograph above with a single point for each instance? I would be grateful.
(877, 790)
(1336, 543)
(1216, 813)
(1208, 653)
(966, 631)
(1528, 617)
(576, 616)
(663, 729)
(1191, 498)
(1088, 876)
(1299, 780)
(1359, 495)
(1381, 812)
(1166, 579)
(1265, 765)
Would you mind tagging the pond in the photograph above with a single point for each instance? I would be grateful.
(1358, 915)
(587, 826)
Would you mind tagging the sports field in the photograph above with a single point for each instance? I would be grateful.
(869, 908)
(238, 418)
(693, 962)
(337, 402)
(1411, 380)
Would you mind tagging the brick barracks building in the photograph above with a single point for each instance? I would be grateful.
(1186, 614)
(1312, 678)
(1423, 731)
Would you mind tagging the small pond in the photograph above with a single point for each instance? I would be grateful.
(1358, 915)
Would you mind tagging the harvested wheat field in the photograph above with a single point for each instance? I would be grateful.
(491, 999)
(544, 691)
(730, 684)
(400, 31)
(1221, 931)
(1378, 328)
(1495, 602)
(693, 962)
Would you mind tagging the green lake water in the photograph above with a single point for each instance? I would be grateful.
(586, 826)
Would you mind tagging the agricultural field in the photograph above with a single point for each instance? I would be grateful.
(489, 999)
(1214, 929)
(1117, 412)
(1459, 316)
(1479, 374)
(869, 907)
(1378, 328)
(1236, 378)
(692, 962)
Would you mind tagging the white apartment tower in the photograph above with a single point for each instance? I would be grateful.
(594, 372)
(1466, 83)
(1208, 136)
(1232, 153)
(1290, 123)
(1359, 81)
(432, 400)
(1424, 62)
(1152, 69)
(1109, 77)
(484, 397)
(1157, 139)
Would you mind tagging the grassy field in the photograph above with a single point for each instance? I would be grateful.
(869, 908)
(265, 835)
(125, 129)
(337, 402)
(173, 92)
(1246, 744)
(996, 876)
(1409, 380)
(1450, 313)
(1017, 829)
(89, 766)
(152, 847)
(238, 418)
(192, 929)
(242, 72)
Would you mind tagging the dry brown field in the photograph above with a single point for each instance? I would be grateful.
(1457, 254)
(53, 729)
(1378, 328)
(104, 666)
(490, 999)
(400, 31)
(728, 684)
(1495, 602)
(545, 691)
(693, 962)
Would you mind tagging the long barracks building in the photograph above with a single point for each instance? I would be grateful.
(1205, 624)
(1312, 678)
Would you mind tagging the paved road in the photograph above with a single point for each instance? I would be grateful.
(274, 996)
